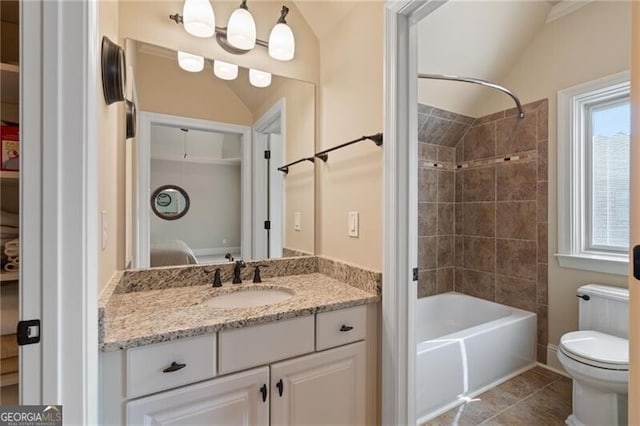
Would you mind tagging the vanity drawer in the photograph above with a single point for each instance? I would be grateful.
(340, 327)
(248, 347)
(146, 364)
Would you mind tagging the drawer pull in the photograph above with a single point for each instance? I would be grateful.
(263, 390)
(280, 387)
(174, 367)
(346, 328)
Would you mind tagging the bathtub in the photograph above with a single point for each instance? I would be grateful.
(466, 345)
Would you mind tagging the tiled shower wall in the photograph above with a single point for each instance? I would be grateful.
(498, 185)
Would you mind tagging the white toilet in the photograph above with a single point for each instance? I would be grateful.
(597, 357)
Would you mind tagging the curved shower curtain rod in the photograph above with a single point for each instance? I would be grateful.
(476, 81)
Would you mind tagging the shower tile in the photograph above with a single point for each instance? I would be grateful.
(542, 243)
(441, 113)
(457, 177)
(445, 280)
(543, 160)
(516, 181)
(445, 187)
(542, 286)
(455, 132)
(543, 318)
(516, 258)
(529, 109)
(460, 151)
(516, 293)
(427, 152)
(515, 134)
(543, 120)
(427, 219)
(459, 222)
(446, 154)
(480, 254)
(422, 118)
(445, 251)
(479, 184)
(477, 284)
(459, 250)
(427, 184)
(541, 353)
(427, 252)
(427, 283)
(480, 142)
(542, 202)
(424, 109)
(516, 220)
(479, 219)
(433, 130)
(446, 218)
(487, 118)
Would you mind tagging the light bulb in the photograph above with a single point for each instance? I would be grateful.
(189, 62)
(198, 18)
(225, 70)
(241, 30)
(282, 45)
(259, 78)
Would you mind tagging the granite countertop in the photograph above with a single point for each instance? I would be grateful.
(132, 319)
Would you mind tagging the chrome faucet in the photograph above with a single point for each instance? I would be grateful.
(237, 279)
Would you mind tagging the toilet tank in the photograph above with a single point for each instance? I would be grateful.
(607, 309)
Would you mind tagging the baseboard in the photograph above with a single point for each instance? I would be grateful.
(212, 251)
(552, 361)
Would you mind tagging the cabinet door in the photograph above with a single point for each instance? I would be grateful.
(326, 388)
(232, 400)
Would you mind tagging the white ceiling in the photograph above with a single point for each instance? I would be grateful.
(323, 16)
(479, 39)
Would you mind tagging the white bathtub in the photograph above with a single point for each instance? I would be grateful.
(466, 345)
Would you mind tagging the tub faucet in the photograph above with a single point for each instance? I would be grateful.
(237, 279)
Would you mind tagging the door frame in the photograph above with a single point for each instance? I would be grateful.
(400, 206)
(276, 112)
(59, 83)
(142, 211)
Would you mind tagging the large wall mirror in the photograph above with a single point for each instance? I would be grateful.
(214, 147)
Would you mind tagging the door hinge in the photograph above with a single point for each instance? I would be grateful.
(28, 332)
(267, 224)
(267, 155)
(415, 274)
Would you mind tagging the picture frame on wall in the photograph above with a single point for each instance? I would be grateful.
(10, 154)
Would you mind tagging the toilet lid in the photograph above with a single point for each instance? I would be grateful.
(598, 349)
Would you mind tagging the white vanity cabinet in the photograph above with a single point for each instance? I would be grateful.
(313, 370)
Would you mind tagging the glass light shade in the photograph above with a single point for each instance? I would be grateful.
(198, 18)
(282, 45)
(189, 62)
(225, 70)
(241, 30)
(259, 78)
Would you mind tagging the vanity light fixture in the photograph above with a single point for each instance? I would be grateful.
(190, 62)
(259, 78)
(225, 70)
(239, 36)
(198, 18)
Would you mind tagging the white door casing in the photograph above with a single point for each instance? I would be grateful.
(142, 209)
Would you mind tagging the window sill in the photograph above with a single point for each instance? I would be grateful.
(605, 264)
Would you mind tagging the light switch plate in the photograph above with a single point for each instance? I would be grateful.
(353, 224)
(296, 221)
(104, 225)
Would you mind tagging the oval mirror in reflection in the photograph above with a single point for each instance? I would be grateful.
(170, 202)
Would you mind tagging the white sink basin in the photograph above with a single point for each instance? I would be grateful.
(249, 298)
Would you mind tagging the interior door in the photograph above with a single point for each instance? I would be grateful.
(320, 389)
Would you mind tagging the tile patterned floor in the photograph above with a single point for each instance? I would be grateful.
(534, 398)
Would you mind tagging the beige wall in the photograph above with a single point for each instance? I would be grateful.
(351, 103)
(299, 183)
(148, 21)
(590, 43)
(111, 160)
(165, 88)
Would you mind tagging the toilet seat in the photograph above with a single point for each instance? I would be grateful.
(596, 349)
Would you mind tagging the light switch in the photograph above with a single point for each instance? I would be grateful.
(104, 225)
(353, 224)
(296, 221)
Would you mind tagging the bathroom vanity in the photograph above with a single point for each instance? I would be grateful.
(191, 354)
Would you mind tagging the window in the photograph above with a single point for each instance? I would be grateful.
(593, 175)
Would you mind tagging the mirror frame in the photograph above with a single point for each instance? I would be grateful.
(176, 188)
